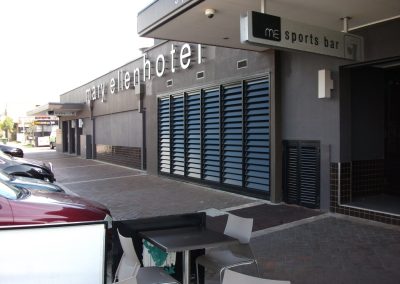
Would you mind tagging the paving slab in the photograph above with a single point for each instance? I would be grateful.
(331, 250)
(290, 242)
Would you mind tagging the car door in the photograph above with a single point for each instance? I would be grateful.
(6, 213)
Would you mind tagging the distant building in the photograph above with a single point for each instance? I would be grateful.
(36, 129)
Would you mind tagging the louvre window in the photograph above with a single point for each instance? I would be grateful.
(193, 135)
(164, 135)
(302, 173)
(178, 138)
(211, 136)
(219, 135)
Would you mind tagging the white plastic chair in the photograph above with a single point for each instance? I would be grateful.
(235, 255)
(129, 264)
(232, 277)
(129, 270)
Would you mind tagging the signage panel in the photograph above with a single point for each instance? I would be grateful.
(276, 32)
(64, 113)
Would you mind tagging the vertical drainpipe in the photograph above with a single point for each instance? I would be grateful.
(264, 6)
(91, 106)
(139, 93)
(69, 136)
(143, 146)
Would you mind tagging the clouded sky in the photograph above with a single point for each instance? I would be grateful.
(49, 47)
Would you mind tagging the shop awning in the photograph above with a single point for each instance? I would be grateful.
(187, 21)
(57, 109)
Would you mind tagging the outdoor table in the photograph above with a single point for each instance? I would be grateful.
(186, 239)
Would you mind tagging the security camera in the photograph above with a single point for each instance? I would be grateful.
(209, 13)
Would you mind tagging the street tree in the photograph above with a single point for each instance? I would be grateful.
(7, 125)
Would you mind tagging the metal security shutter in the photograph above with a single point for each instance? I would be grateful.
(178, 138)
(302, 173)
(257, 135)
(211, 135)
(193, 135)
(218, 136)
(164, 135)
(232, 138)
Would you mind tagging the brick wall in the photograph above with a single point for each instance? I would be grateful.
(120, 155)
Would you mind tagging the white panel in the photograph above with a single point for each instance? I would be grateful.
(325, 84)
(63, 254)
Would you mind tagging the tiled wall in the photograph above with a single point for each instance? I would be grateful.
(345, 196)
(124, 156)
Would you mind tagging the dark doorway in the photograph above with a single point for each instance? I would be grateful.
(375, 136)
(78, 140)
(65, 136)
(72, 137)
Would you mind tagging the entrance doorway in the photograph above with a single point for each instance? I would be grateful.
(375, 136)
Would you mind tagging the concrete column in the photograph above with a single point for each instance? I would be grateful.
(77, 138)
(70, 129)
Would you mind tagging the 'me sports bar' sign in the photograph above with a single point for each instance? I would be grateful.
(276, 32)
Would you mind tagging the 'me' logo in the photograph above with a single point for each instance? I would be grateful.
(266, 26)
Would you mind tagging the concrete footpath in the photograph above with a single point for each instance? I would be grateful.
(290, 242)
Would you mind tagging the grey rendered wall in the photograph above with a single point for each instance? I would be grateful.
(219, 66)
(117, 120)
(306, 117)
(381, 40)
(120, 129)
(87, 126)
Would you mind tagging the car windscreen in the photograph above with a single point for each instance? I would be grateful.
(9, 191)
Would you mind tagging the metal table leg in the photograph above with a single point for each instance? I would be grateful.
(186, 267)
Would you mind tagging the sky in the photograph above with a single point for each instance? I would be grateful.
(49, 47)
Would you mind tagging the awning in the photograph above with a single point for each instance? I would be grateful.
(188, 21)
(57, 109)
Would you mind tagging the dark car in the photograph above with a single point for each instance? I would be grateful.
(30, 183)
(26, 168)
(13, 151)
(23, 207)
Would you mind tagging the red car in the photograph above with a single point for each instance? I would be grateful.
(22, 207)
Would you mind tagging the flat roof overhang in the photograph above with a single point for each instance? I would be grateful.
(57, 109)
(186, 21)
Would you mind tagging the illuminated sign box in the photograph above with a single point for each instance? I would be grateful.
(276, 32)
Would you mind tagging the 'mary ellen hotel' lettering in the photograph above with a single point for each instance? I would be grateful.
(126, 80)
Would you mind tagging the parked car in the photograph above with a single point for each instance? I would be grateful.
(29, 183)
(19, 206)
(13, 151)
(26, 167)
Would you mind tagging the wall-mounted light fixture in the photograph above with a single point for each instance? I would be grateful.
(325, 84)
(209, 13)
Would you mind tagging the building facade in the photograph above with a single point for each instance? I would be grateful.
(251, 119)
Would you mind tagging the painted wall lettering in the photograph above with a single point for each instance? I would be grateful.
(128, 80)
